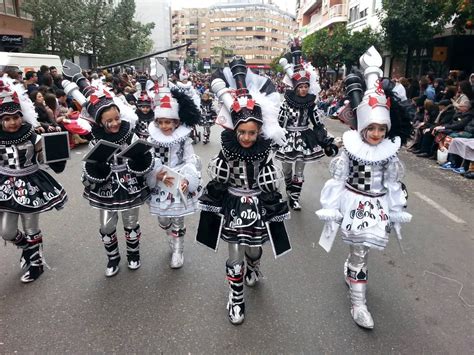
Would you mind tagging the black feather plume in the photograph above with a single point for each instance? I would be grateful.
(188, 113)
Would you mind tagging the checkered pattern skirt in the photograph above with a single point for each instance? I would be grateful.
(300, 146)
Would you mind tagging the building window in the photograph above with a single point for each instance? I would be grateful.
(8, 7)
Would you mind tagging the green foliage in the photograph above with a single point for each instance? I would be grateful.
(463, 15)
(337, 46)
(71, 27)
(223, 51)
(411, 24)
(275, 66)
(54, 32)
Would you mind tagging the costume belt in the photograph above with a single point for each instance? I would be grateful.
(297, 129)
(19, 172)
(118, 168)
(365, 193)
(244, 192)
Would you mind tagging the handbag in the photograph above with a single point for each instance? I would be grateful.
(442, 155)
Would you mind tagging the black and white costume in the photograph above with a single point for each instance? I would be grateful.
(208, 117)
(117, 185)
(144, 119)
(174, 151)
(241, 204)
(365, 196)
(297, 114)
(25, 189)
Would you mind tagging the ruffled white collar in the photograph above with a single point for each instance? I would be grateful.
(157, 137)
(368, 154)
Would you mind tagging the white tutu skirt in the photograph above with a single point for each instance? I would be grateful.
(365, 220)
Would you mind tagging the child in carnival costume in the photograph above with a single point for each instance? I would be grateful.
(117, 185)
(365, 196)
(297, 111)
(175, 113)
(208, 115)
(144, 111)
(241, 204)
(25, 189)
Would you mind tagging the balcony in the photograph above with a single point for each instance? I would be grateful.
(337, 11)
(311, 6)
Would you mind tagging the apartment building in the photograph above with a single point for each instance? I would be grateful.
(256, 31)
(158, 12)
(16, 26)
(314, 15)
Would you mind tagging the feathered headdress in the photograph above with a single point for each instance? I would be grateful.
(94, 100)
(14, 100)
(247, 96)
(373, 100)
(298, 72)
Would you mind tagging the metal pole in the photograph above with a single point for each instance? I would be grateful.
(143, 56)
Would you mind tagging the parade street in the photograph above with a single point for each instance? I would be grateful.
(421, 301)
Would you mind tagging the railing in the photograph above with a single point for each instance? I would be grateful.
(337, 11)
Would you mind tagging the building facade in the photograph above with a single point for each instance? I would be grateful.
(159, 12)
(363, 14)
(256, 31)
(16, 26)
(314, 15)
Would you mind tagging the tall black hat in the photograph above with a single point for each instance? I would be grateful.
(97, 100)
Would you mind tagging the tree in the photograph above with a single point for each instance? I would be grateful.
(275, 65)
(94, 23)
(357, 43)
(409, 25)
(223, 51)
(124, 37)
(327, 47)
(70, 27)
(316, 49)
(54, 29)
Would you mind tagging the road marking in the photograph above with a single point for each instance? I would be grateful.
(440, 208)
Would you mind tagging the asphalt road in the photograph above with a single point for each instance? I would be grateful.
(422, 301)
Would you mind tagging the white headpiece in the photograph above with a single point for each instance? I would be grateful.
(374, 107)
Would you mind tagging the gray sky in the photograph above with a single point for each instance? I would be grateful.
(286, 5)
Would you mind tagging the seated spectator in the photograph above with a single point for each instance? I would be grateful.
(418, 120)
(462, 125)
(439, 88)
(430, 114)
(30, 82)
(461, 157)
(429, 138)
(45, 114)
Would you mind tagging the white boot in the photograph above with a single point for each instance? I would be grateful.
(177, 251)
(359, 311)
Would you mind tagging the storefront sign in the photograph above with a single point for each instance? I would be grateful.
(11, 40)
(440, 54)
(206, 63)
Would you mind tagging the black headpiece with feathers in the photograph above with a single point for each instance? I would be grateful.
(188, 112)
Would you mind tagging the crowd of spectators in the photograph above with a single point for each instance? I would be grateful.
(443, 120)
(441, 109)
(56, 112)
